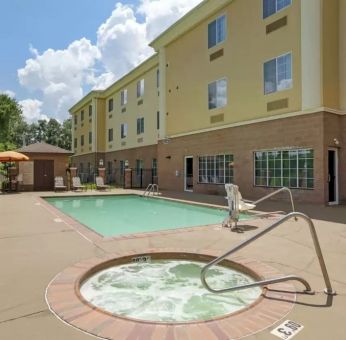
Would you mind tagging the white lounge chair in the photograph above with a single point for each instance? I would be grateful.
(59, 184)
(100, 185)
(76, 184)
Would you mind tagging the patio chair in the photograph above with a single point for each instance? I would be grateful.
(59, 184)
(100, 185)
(76, 184)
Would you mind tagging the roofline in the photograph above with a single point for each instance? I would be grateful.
(145, 66)
(190, 20)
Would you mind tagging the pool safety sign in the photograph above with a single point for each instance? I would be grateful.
(287, 330)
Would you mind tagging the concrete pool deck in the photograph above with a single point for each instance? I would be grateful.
(35, 246)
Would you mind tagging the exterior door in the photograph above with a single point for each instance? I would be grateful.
(188, 174)
(43, 175)
(333, 186)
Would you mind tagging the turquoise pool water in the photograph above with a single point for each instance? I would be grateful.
(128, 214)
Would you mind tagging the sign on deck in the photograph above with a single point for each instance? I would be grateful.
(287, 330)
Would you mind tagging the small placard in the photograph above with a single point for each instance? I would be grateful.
(141, 259)
(287, 330)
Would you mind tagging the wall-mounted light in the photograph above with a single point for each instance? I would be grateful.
(126, 164)
(336, 141)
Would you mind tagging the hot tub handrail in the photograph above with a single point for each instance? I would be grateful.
(328, 290)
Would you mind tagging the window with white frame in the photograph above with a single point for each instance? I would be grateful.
(285, 168)
(110, 135)
(270, 7)
(90, 137)
(122, 168)
(216, 169)
(90, 110)
(140, 88)
(139, 167)
(110, 105)
(217, 94)
(123, 97)
(278, 74)
(123, 131)
(217, 31)
(140, 126)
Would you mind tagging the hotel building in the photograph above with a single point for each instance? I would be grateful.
(251, 92)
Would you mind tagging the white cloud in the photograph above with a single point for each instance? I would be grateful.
(60, 76)
(159, 15)
(10, 93)
(32, 110)
(122, 41)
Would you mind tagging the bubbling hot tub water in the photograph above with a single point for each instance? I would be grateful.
(167, 291)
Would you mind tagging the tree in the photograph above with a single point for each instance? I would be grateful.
(11, 120)
(66, 141)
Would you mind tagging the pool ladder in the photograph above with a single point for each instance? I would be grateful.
(152, 189)
(328, 290)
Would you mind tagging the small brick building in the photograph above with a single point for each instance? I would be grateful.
(46, 162)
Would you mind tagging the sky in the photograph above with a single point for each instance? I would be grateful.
(52, 53)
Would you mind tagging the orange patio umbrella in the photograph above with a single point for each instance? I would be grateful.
(12, 156)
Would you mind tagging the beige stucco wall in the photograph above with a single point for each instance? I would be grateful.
(246, 48)
(148, 109)
(330, 36)
(82, 128)
(342, 51)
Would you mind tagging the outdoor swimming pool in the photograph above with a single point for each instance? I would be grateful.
(128, 214)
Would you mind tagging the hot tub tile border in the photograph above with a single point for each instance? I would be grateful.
(64, 302)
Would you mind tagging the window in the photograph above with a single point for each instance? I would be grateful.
(110, 135)
(140, 88)
(75, 143)
(154, 167)
(123, 130)
(157, 78)
(289, 168)
(110, 105)
(270, 7)
(278, 74)
(139, 167)
(217, 31)
(123, 97)
(82, 115)
(75, 119)
(81, 168)
(82, 140)
(90, 137)
(90, 110)
(158, 120)
(215, 169)
(89, 168)
(140, 126)
(217, 94)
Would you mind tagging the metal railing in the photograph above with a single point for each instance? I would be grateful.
(151, 189)
(328, 290)
(275, 193)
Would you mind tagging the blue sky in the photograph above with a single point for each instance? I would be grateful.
(53, 52)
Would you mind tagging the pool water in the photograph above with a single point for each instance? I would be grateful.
(167, 291)
(128, 214)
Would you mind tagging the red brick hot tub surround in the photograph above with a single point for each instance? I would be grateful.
(65, 301)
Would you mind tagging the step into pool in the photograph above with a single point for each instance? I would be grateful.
(128, 214)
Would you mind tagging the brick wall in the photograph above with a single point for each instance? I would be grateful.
(305, 131)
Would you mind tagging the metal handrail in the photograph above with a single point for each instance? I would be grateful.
(328, 290)
(151, 188)
(275, 193)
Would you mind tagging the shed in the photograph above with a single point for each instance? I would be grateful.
(46, 162)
